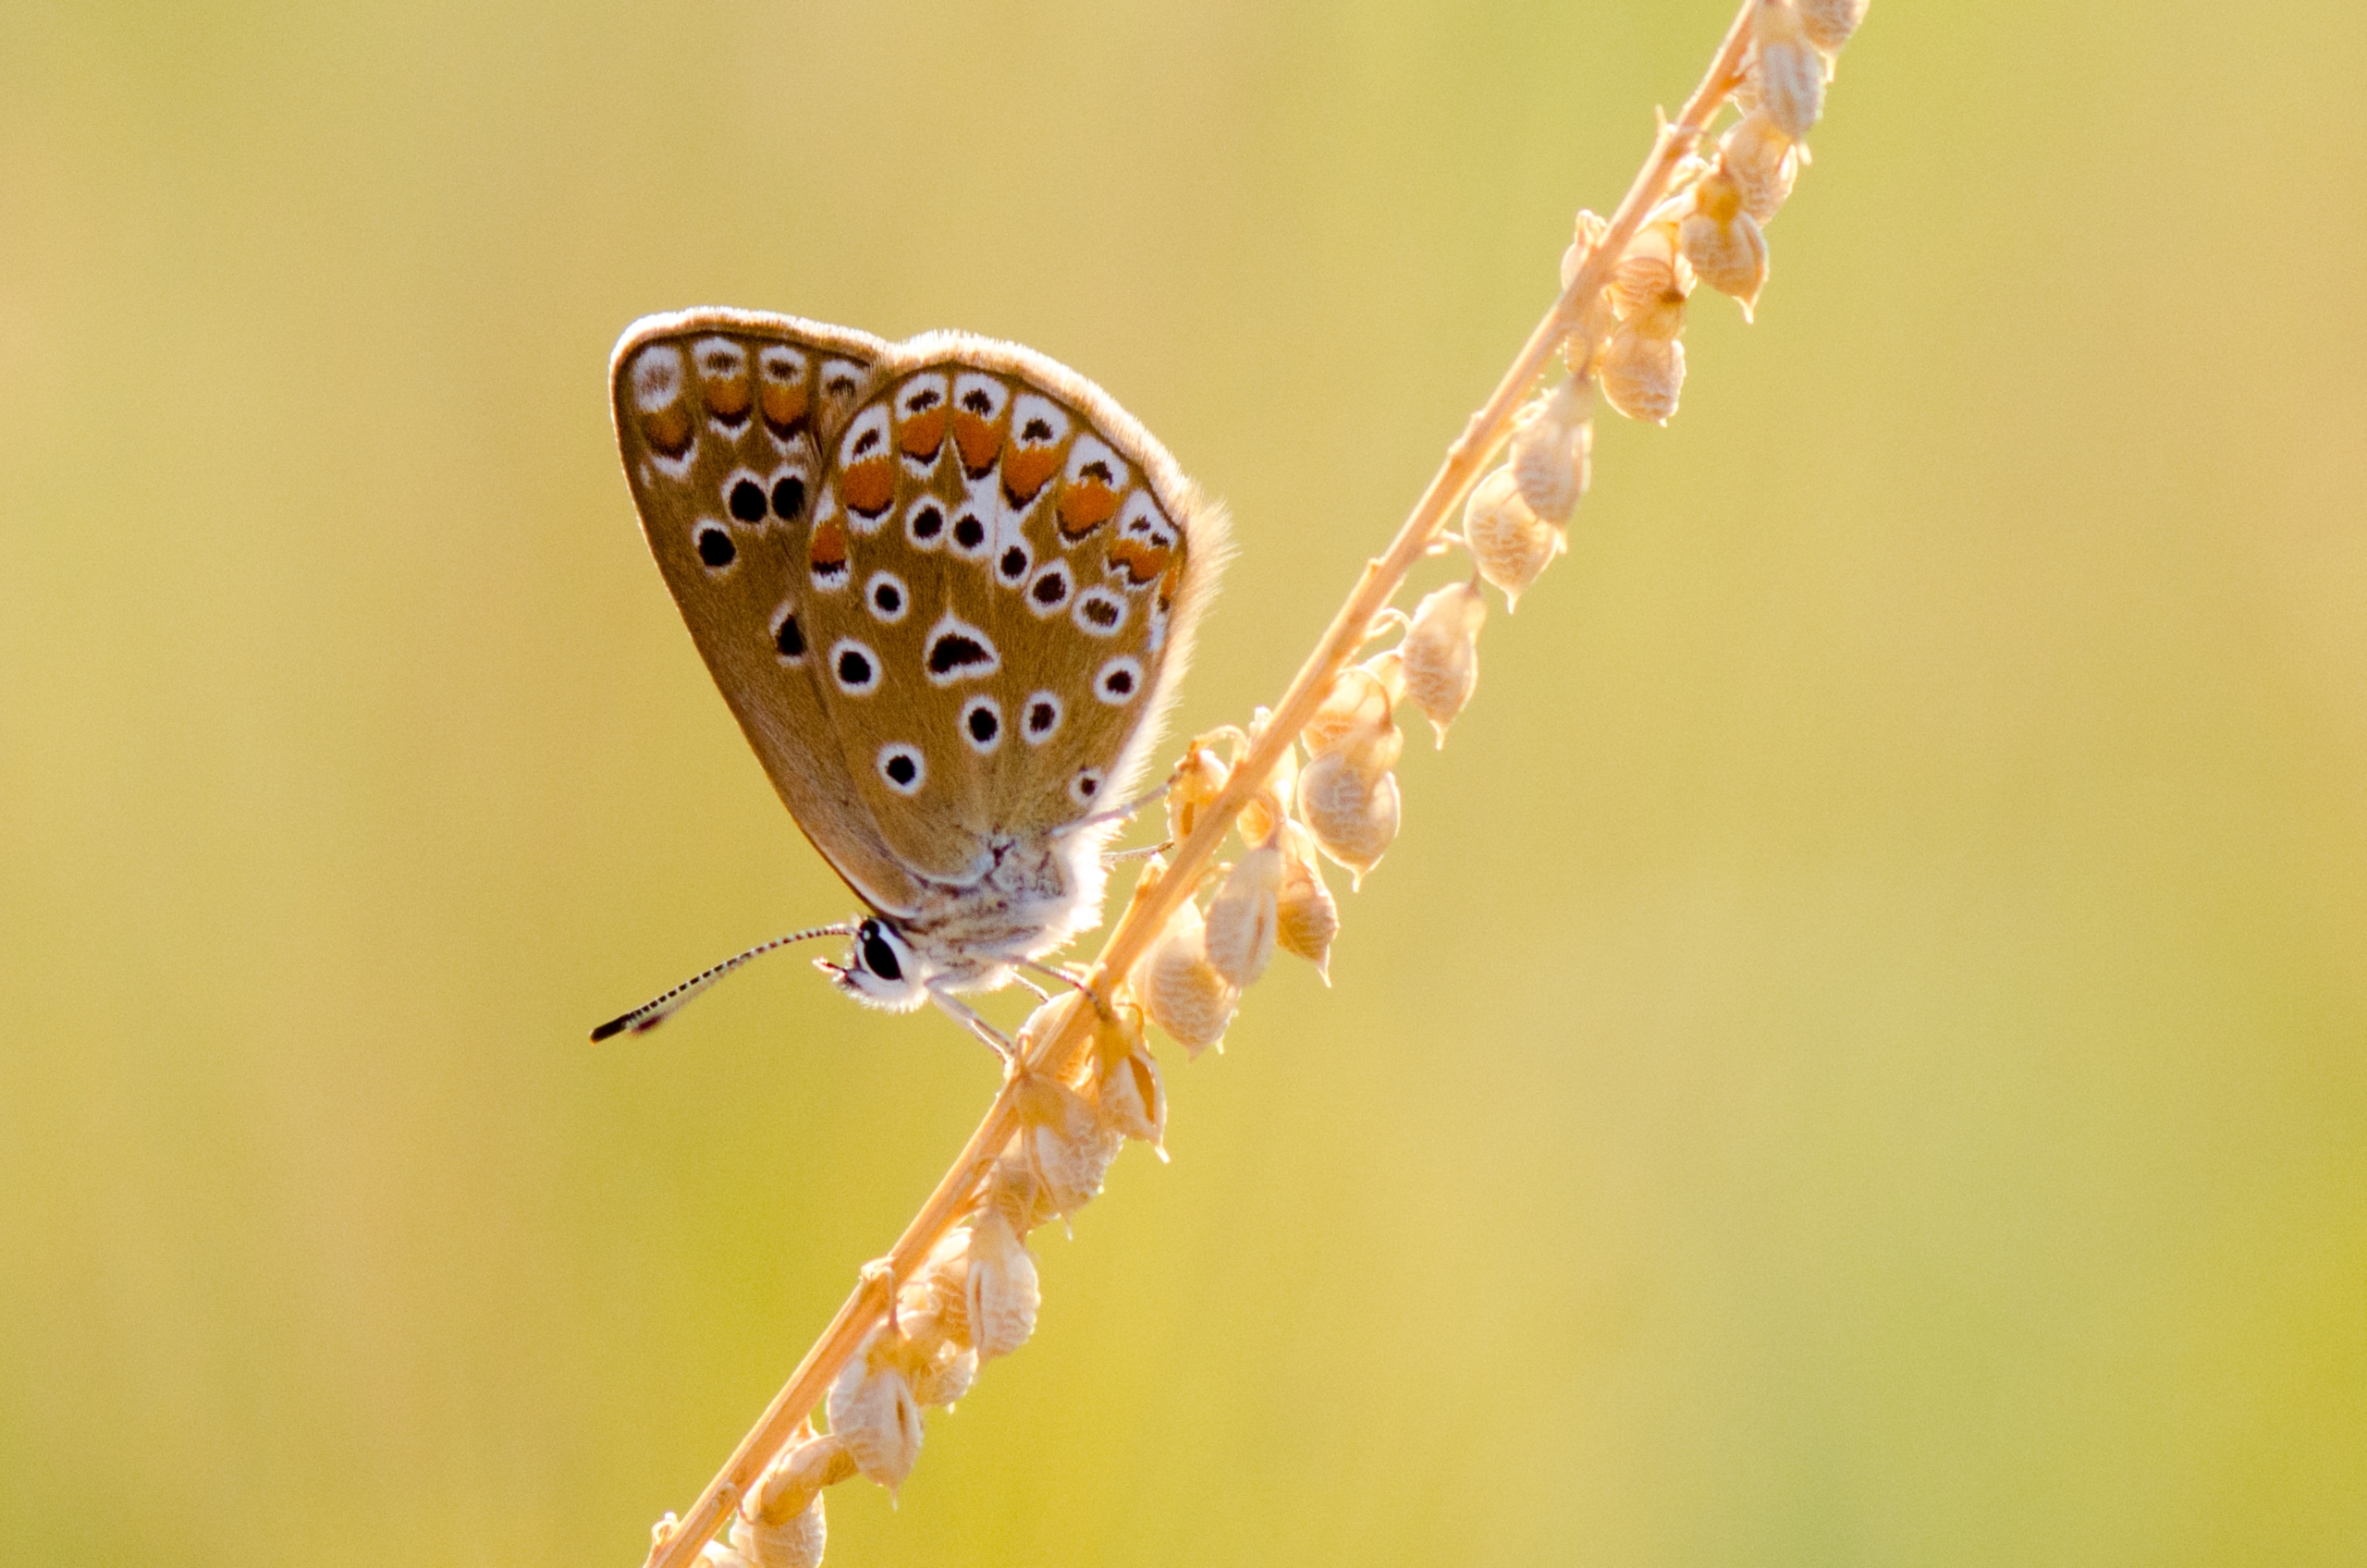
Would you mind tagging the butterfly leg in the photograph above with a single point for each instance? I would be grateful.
(1144, 852)
(1122, 813)
(963, 1013)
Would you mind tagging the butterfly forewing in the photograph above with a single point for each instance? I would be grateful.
(720, 419)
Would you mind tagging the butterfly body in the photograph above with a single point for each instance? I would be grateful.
(947, 586)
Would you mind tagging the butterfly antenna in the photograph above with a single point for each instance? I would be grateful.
(657, 1009)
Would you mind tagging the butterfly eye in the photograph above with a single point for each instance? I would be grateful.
(879, 953)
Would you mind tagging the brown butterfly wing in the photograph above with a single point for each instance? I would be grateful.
(1046, 563)
(722, 417)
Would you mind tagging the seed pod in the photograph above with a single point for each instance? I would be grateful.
(874, 1413)
(945, 1375)
(1066, 1143)
(1643, 371)
(1762, 162)
(1003, 1294)
(1240, 931)
(793, 1542)
(1131, 1099)
(1356, 716)
(797, 1477)
(1789, 71)
(1552, 450)
(1651, 271)
(937, 1293)
(1352, 813)
(1590, 230)
(1723, 240)
(1442, 653)
(1271, 803)
(1511, 543)
(1829, 23)
(1307, 920)
(1199, 778)
(1180, 989)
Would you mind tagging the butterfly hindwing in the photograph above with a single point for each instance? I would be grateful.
(992, 570)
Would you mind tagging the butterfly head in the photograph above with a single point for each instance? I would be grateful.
(882, 970)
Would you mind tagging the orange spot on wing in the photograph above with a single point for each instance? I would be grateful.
(1142, 563)
(1171, 583)
(785, 407)
(668, 430)
(1086, 505)
(1025, 469)
(868, 487)
(920, 436)
(978, 440)
(727, 399)
(828, 553)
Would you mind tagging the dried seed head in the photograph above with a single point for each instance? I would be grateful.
(1131, 1099)
(945, 1375)
(1352, 813)
(1307, 919)
(795, 1541)
(1762, 161)
(1066, 1143)
(1199, 778)
(1552, 448)
(1511, 543)
(1181, 990)
(795, 1478)
(932, 1301)
(874, 1413)
(1117, 1034)
(1723, 240)
(1240, 930)
(1651, 271)
(1356, 716)
(1003, 1294)
(1643, 370)
(1442, 653)
(1590, 230)
(1829, 23)
(1787, 69)
(1263, 816)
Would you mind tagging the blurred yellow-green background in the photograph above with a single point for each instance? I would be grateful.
(1856, 1057)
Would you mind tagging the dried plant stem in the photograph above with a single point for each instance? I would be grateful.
(1145, 916)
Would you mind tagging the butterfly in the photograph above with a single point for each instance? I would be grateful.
(948, 587)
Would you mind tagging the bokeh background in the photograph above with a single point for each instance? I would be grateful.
(1856, 1058)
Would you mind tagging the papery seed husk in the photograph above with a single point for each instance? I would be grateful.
(1181, 991)
(1074, 1158)
(1552, 450)
(1789, 71)
(797, 1477)
(946, 1376)
(1352, 814)
(1762, 162)
(1723, 243)
(1510, 543)
(1643, 373)
(1829, 23)
(1003, 1293)
(1306, 918)
(937, 1288)
(1354, 714)
(1132, 1099)
(1199, 778)
(1651, 271)
(794, 1542)
(874, 1413)
(1441, 651)
(1239, 935)
(1590, 230)
(1261, 816)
